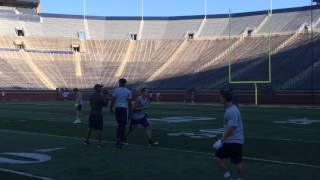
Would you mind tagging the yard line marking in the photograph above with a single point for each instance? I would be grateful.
(24, 174)
(285, 139)
(48, 150)
(171, 149)
(215, 123)
(247, 158)
(256, 137)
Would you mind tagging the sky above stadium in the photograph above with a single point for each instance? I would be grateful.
(162, 7)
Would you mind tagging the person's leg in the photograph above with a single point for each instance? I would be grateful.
(88, 136)
(236, 158)
(145, 124)
(122, 126)
(131, 129)
(99, 137)
(148, 132)
(77, 115)
(118, 114)
(149, 135)
(240, 171)
(223, 168)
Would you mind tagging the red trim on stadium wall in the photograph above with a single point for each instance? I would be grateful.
(246, 97)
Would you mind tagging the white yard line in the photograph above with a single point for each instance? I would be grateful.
(24, 174)
(284, 139)
(172, 149)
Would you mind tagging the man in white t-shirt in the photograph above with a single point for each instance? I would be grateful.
(121, 102)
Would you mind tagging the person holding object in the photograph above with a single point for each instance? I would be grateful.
(232, 140)
(98, 100)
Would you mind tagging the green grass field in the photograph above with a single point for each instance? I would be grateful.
(272, 150)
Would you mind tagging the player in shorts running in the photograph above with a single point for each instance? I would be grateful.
(232, 140)
(140, 117)
(98, 100)
(78, 105)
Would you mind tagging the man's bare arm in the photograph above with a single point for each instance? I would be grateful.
(228, 132)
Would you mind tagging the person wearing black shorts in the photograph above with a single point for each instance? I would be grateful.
(140, 117)
(98, 100)
(231, 142)
(121, 102)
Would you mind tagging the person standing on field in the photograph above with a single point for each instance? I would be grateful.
(232, 140)
(121, 102)
(140, 117)
(78, 105)
(98, 100)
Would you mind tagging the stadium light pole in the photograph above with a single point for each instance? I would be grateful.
(271, 6)
(205, 9)
(84, 9)
(142, 10)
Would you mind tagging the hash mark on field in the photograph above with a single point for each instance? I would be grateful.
(171, 149)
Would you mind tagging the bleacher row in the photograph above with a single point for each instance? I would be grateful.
(163, 58)
(96, 28)
(102, 58)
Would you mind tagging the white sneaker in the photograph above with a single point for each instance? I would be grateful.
(77, 121)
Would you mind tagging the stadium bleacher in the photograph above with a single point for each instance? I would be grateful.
(49, 39)
(154, 29)
(240, 24)
(214, 27)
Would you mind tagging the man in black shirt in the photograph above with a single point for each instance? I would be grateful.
(98, 100)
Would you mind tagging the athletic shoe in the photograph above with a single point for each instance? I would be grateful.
(125, 143)
(77, 121)
(153, 143)
(86, 142)
(120, 145)
(99, 146)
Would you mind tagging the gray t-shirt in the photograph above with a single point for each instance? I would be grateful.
(141, 103)
(122, 95)
(79, 99)
(232, 118)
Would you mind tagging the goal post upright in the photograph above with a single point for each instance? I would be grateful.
(253, 82)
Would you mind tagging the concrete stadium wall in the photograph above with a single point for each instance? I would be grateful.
(244, 97)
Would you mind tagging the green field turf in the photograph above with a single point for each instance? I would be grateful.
(272, 151)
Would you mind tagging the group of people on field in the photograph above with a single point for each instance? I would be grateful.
(129, 109)
(125, 107)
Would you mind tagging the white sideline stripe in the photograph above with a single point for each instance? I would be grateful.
(24, 174)
(172, 149)
(284, 139)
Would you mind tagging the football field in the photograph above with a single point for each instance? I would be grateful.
(39, 141)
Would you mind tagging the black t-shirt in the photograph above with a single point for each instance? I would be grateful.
(97, 102)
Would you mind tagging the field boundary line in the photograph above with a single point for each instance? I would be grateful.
(24, 174)
(170, 149)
